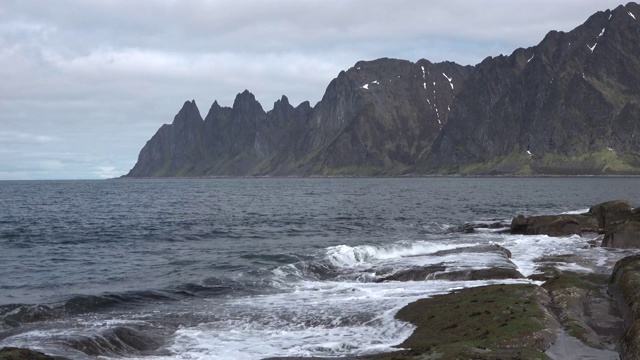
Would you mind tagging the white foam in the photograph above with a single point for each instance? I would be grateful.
(526, 248)
(573, 267)
(346, 256)
(327, 319)
(576, 212)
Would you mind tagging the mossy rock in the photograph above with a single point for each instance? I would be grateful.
(13, 353)
(484, 322)
(609, 212)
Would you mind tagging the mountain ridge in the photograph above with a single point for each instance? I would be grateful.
(568, 105)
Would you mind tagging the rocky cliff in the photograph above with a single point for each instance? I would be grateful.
(569, 105)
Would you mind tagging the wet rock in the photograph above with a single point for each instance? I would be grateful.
(609, 212)
(583, 308)
(503, 321)
(624, 235)
(552, 225)
(413, 274)
(13, 353)
(494, 248)
(495, 273)
(471, 227)
(121, 340)
(624, 285)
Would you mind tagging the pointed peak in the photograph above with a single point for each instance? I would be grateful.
(284, 99)
(189, 106)
(188, 112)
(244, 96)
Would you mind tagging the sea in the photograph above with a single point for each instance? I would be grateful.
(251, 268)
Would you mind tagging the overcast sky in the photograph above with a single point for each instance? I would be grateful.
(84, 84)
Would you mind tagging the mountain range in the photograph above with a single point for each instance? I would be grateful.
(567, 106)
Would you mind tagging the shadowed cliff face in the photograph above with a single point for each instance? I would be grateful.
(378, 117)
(569, 105)
(387, 117)
(573, 94)
(175, 148)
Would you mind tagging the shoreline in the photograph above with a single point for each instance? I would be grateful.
(561, 311)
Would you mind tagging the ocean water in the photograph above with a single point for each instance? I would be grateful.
(252, 268)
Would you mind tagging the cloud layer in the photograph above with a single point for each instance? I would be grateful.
(86, 83)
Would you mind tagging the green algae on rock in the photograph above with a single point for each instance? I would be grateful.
(482, 322)
(13, 353)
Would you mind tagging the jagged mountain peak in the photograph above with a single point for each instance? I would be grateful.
(570, 104)
(189, 113)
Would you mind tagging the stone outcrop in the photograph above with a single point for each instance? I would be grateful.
(13, 353)
(624, 285)
(552, 225)
(625, 235)
(619, 223)
(611, 212)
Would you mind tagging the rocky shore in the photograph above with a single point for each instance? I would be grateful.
(561, 314)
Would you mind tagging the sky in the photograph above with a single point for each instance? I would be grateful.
(85, 84)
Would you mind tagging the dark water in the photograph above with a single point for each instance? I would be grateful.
(170, 268)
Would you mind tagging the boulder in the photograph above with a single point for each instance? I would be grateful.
(610, 212)
(552, 225)
(623, 286)
(625, 235)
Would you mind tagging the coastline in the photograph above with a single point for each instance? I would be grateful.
(558, 310)
(567, 314)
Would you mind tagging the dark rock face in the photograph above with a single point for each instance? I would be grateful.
(175, 148)
(610, 212)
(379, 117)
(625, 235)
(624, 285)
(552, 225)
(566, 106)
